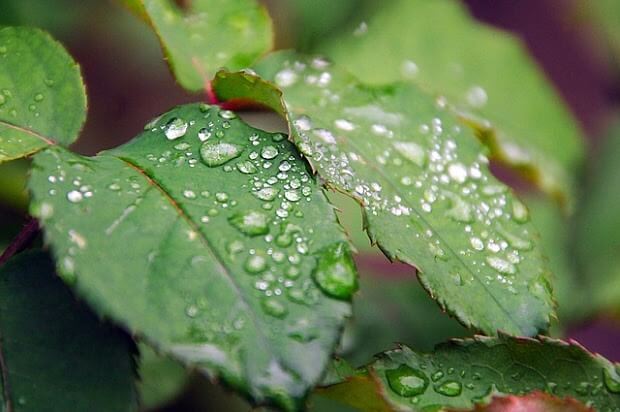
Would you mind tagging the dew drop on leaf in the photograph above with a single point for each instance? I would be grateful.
(406, 381)
(449, 388)
(255, 264)
(612, 381)
(274, 307)
(75, 196)
(268, 152)
(217, 153)
(335, 272)
(251, 222)
(175, 128)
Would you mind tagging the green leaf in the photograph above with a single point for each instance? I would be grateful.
(597, 234)
(462, 373)
(210, 239)
(55, 354)
(206, 35)
(42, 97)
(485, 73)
(533, 402)
(161, 378)
(428, 197)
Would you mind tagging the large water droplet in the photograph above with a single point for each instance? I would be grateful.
(449, 388)
(286, 78)
(251, 222)
(246, 167)
(268, 152)
(217, 153)
(519, 211)
(406, 381)
(255, 264)
(266, 193)
(335, 272)
(75, 196)
(175, 128)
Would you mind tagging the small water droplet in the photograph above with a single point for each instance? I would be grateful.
(266, 193)
(204, 134)
(449, 388)
(246, 167)
(286, 77)
(501, 265)
(406, 381)
(476, 96)
(227, 114)
(251, 222)
(75, 196)
(175, 128)
(275, 308)
(519, 211)
(255, 264)
(217, 153)
(412, 152)
(38, 97)
(335, 272)
(436, 376)
(269, 152)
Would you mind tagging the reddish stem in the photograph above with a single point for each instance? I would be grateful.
(21, 241)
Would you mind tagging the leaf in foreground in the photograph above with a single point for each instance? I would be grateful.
(55, 354)
(42, 97)
(462, 373)
(205, 35)
(486, 73)
(210, 239)
(428, 197)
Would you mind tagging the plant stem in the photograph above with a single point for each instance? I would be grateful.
(22, 240)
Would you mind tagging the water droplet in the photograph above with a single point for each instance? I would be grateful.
(449, 388)
(409, 69)
(406, 381)
(251, 222)
(266, 193)
(75, 196)
(2, 100)
(412, 152)
(175, 128)
(477, 96)
(519, 211)
(38, 97)
(268, 152)
(221, 197)
(255, 264)
(344, 124)
(458, 172)
(460, 211)
(436, 376)
(292, 195)
(612, 380)
(204, 134)
(335, 272)
(189, 194)
(227, 114)
(274, 307)
(501, 265)
(191, 311)
(246, 167)
(217, 153)
(286, 78)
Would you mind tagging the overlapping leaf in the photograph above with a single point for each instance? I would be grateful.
(211, 240)
(55, 354)
(42, 98)
(461, 374)
(486, 73)
(423, 182)
(206, 35)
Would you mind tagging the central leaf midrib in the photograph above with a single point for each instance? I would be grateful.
(406, 197)
(28, 131)
(259, 332)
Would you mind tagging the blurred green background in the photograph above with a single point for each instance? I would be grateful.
(576, 44)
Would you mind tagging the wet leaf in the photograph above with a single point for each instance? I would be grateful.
(597, 235)
(42, 97)
(428, 197)
(212, 262)
(533, 402)
(485, 73)
(206, 35)
(463, 373)
(55, 354)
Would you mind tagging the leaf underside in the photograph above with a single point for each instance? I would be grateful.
(210, 239)
(463, 373)
(428, 197)
(56, 354)
(237, 33)
(42, 97)
(484, 72)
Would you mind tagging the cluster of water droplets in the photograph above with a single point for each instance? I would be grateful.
(413, 382)
(273, 243)
(413, 171)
